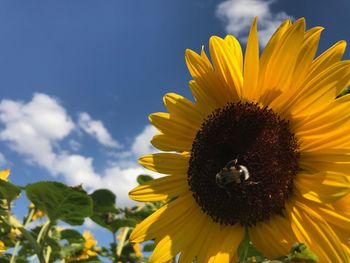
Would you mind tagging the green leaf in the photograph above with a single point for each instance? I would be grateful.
(141, 213)
(300, 252)
(59, 201)
(104, 200)
(8, 191)
(72, 236)
(104, 210)
(118, 223)
(148, 247)
(246, 250)
(343, 93)
(142, 179)
(89, 260)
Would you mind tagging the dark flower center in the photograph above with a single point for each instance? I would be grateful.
(242, 164)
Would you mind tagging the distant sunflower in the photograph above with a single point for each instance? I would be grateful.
(4, 174)
(264, 147)
(89, 249)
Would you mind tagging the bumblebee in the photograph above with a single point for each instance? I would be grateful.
(232, 174)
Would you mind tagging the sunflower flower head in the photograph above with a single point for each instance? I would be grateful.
(4, 174)
(14, 233)
(137, 249)
(263, 149)
(90, 241)
(89, 248)
(2, 248)
(37, 213)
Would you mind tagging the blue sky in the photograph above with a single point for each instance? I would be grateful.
(79, 78)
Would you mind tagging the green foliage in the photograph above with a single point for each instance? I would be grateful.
(247, 252)
(300, 253)
(142, 179)
(148, 247)
(104, 210)
(8, 191)
(72, 236)
(49, 242)
(59, 201)
(104, 201)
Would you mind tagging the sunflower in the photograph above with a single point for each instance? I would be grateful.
(89, 249)
(37, 213)
(2, 248)
(4, 174)
(263, 149)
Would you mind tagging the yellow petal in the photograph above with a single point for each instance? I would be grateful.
(166, 163)
(4, 174)
(225, 243)
(322, 89)
(271, 45)
(206, 78)
(160, 189)
(183, 109)
(181, 237)
(169, 143)
(204, 100)
(205, 58)
(313, 230)
(342, 206)
(322, 187)
(165, 219)
(91, 253)
(251, 64)
(228, 240)
(197, 65)
(307, 54)
(198, 244)
(274, 237)
(137, 249)
(338, 138)
(236, 50)
(327, 59)
(2, 247)
(88, 235)
(335, 218)
(167, 124)
(330, 117)
(279, 70)
(346, 248)
(326, 155)
(207, 243)
(301, 69)
(227, 67)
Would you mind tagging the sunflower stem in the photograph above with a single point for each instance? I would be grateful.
(26, 223)
(243, 249)
(122, 240)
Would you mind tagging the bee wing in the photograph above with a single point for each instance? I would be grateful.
(245, 172)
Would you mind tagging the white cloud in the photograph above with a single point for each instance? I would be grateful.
(141, 144)
(35, 130)
(90, 225)
(122, 180)
(96, 129)
(238, 16)
(77, 169)
(121, 175)
(74, 145)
